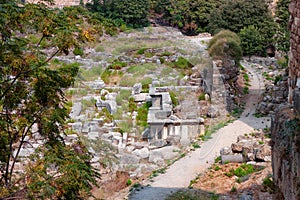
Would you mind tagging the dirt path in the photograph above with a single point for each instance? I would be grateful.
(181, 172)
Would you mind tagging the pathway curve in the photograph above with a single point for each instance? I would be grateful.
(179, 174)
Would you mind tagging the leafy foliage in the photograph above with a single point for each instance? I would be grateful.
(282, 18)
(252, 42)
(240, 14)
(133, 12)
(192, 17)
(142, 114)
(32, 103)
(225, 45)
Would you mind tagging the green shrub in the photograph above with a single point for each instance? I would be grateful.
(132, 105)
(283, 62)
(224, 45)
(117, 65)
(201, 97)
(145, 83)
(182, 63)
(269, 184)
(230, 173)
(246, 77)
(174, 98)
(218, 159)
(100, 48)
(142, 114)
(246, 90)
(78, 51)
(129, 182)
(233, 189)
(244, 169)
(141, 51)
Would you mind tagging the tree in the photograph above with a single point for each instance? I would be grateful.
(133, 12)
(251, 41)
(190, 16)
(239, 14)
(282, 36)
(32, 105)
(225, 46)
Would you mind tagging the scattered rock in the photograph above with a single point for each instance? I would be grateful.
(225, 151)
(142, 153)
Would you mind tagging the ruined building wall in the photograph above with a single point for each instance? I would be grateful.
(286, 124)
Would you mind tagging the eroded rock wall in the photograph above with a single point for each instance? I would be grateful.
(294, 55)
(286, 154)
(286, 123)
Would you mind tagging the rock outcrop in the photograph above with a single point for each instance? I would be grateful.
(285, 124)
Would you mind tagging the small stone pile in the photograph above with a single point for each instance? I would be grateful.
(248, 148)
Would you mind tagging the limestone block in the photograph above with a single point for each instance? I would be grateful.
(142, 153)
(238, 158)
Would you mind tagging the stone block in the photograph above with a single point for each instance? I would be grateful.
(237, 158)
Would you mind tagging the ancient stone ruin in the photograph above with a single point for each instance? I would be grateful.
(164, 125)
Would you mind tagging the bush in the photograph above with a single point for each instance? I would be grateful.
(78, 51)
(142, 114)
(117, 65)
(225, 45)
(182, 63)
(141, 51)
(252, 42)
(201, 97)
(174, 98)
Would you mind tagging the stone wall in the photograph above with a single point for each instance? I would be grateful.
(294, 63)
(285, 124)
(286, 154)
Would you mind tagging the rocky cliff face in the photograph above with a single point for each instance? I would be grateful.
(285, 124)
(286, 154)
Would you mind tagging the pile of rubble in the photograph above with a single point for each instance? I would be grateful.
(254, 147)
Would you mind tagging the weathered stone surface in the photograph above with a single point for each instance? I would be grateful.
(286, 154)
(137, 88)
(173, 139)
(237, 158)
(225, 151)
(213, 112)
(263, 153)
(237, 147)
(128, 159)
(165, 153)
(247, 148)
(142, 153)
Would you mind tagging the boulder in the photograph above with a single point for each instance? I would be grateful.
(165, 153)
(141, 153)
(237, 147)
(225, 151)
(263, 153)
(212, 112)
(247, 148)
(173, 139)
